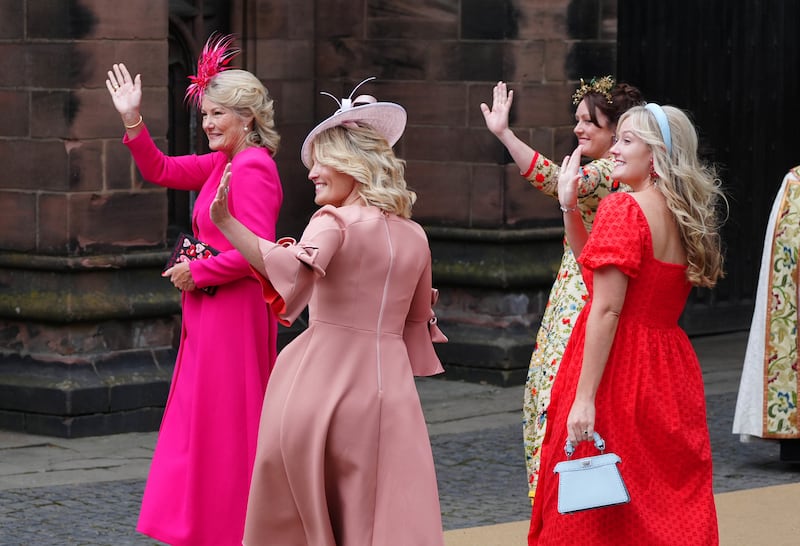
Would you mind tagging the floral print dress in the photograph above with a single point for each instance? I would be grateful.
(567, 298)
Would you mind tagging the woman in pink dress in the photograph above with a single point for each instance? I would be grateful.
(344, 457)
(196, 492)
(629, 371)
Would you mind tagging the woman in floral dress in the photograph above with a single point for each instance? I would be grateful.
(600, 103)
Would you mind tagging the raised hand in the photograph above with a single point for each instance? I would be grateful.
(568, 180)
(497, 117)
(125, 91)
(219, 211)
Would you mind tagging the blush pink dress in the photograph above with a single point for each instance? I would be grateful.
(344, 457)
(196, 492)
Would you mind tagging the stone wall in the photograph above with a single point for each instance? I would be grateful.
(88, 327)
(86, 323)
(495, 241)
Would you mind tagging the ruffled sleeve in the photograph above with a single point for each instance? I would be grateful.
(616, 238)
(421, 329)
(293, 267)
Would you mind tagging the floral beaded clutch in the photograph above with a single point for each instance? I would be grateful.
(188, 249)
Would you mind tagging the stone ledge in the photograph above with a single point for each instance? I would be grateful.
(124, 393)
(494, 356)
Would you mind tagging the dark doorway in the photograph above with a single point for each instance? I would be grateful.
(733, 65)
(190, 24)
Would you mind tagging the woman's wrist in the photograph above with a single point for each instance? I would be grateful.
(131, 119)
(565, 209)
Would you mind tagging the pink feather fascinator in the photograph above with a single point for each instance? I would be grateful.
(215, 57)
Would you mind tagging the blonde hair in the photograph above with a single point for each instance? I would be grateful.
(359, 151)
(690, 186)
(243, 93)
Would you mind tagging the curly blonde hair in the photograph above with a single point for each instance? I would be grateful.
(691, 188)
(359, 151)
(243, 93)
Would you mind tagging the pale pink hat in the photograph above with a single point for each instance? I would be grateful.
(386, 118)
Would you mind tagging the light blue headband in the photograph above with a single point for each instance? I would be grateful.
(663, 124)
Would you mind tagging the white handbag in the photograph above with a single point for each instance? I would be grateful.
(590, 482)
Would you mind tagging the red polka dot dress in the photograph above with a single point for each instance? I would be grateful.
(650, 405)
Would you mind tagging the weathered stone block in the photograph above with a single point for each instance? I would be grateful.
(38, 165)
(441, 192)
(271, 18)
(524, 62)
(59, 20)
(583, 19)
(486, 197)
(141, 20)
(548, 105)
(555, 53)
(489, 20)
(53, 223)
(14, 105)
(93, 115)
(18, 220)
(12, 73)
(55, 65)
(542, 20)
(12, 25)
(593, 58)
(148, 58)
(284, 59)
(51, 114)
(85, 159)
(413, 20)
(339, 18)
(101, 222)
(119, 172)
(443, 104)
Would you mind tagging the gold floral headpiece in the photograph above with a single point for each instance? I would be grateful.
(602, 86)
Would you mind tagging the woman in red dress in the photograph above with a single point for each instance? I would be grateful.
(629, 371)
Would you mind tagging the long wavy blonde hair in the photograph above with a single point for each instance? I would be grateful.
(691, 188)
(359, 151)
(243, 93)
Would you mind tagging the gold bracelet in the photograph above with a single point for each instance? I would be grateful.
(135, 125)
(567, 209)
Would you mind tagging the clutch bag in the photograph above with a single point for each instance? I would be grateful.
(188, 249)
(590, 482)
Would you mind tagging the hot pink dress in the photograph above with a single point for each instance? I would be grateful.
(196, 492)
(650, 405)
(344, 457)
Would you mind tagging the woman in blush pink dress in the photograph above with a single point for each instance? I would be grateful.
(196, 492)
(344, 457)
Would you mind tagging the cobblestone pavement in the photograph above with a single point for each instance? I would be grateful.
(481, 480)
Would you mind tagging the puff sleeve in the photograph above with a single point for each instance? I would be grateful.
(293, 267)
(616, 238)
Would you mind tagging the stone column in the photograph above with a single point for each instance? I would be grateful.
(87, 325)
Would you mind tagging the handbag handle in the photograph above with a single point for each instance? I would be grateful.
(599, 443)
